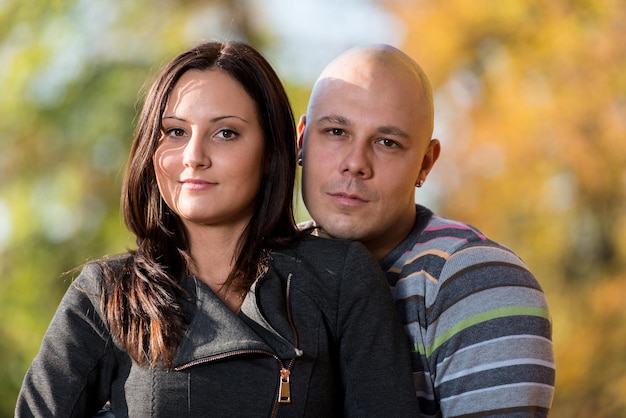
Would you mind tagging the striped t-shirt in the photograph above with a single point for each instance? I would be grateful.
(477, 319)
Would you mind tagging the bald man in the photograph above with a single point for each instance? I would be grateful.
(477, 319)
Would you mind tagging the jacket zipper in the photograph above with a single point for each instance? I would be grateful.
(284, 389)
(284, 386)
(229, 354)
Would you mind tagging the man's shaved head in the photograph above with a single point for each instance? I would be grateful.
(379, 60)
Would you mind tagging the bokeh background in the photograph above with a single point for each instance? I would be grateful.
(531, 112)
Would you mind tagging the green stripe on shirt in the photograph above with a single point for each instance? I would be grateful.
(482, 317)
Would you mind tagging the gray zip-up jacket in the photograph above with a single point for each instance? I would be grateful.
(317, 336)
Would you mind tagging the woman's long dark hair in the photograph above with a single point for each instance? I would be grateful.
(143, 299)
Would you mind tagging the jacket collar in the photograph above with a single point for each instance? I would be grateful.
(216, 331)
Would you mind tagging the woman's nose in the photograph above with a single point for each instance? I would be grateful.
(195, 153)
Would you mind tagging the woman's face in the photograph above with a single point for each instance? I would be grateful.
(209, 160)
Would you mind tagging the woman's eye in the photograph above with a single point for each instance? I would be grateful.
(227, 134)
(175, 132)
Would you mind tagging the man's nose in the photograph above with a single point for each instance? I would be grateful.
(357, 161)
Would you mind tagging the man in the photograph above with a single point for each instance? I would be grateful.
(477, 318)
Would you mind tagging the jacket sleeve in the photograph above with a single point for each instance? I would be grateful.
(374, 350)
(71, 374)
(487, 340)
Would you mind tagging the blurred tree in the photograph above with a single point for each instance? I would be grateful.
(531, 110)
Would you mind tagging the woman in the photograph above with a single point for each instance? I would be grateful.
(224, 309)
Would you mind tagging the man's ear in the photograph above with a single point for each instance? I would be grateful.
(300, 129)
(429, 160)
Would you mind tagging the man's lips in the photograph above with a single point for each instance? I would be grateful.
(344, 198)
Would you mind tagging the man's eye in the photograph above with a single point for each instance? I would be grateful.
(335, 131)
(388, 142)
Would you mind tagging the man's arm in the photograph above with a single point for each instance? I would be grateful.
(487, 340)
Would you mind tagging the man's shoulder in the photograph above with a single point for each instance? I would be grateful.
(440, 235)
(445, 242)
(448, 236)
(440, 227)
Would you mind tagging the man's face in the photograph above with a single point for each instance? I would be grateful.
(362, 150)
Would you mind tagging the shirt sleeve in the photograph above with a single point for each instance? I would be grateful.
(374, 350)
(487, 336)
(71, 374)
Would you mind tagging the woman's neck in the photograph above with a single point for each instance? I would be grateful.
(214, 251)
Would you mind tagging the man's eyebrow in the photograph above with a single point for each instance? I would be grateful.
(392, 130)
(334, 119)
(343, 121)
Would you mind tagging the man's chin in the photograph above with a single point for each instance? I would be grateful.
(342, 231)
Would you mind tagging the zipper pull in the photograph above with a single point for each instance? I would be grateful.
(284, 392)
